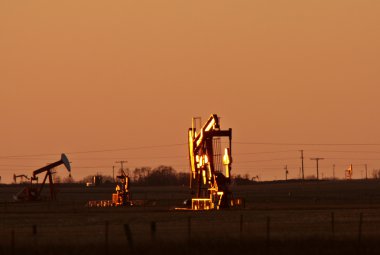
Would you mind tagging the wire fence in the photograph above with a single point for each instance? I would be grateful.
(107, 230)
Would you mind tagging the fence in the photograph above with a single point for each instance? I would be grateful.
(104, 231)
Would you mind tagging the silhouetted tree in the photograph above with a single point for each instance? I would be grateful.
(159, 176)
(139, 174)
(376, 173)
(57, 178)
(90, 178)
(162, 175)
(68, 179)
(183, 178)
(242, 180)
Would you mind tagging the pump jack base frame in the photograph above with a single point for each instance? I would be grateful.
(206, 204)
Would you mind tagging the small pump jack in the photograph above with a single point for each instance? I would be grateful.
(33, 192)
(21, 176)
(122, 195)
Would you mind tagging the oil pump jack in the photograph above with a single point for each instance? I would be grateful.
(122, 197)
(33, 192)
(208, 184)
(20, 176)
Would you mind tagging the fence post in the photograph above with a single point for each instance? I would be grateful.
(13, 242)
(189, 228)
(128, 234)
(333, 224)
(34, 232)
(360, 227)
(153, 231)
(268, 230)
(241, 226)
(106, 230)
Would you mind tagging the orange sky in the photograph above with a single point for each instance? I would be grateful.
(79, 76)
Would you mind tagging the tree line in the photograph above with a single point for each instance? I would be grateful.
(159, 176)
(147, 176)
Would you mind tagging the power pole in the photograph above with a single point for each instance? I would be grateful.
(286, 172)
(113, 173)
(333, 171)
(303, 175)
(317, 159)
(121, 163)
(366, 176)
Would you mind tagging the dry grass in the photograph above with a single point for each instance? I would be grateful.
(300, 222)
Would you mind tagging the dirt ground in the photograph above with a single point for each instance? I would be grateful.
(325, 217)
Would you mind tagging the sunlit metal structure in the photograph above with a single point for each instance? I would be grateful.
(349, 172)
(210, 166)
(121, 197)
(96, 180)
(33, 191)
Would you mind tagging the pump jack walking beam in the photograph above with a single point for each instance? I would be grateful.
(48, 169)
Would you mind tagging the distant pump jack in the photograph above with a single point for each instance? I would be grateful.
(122, 197)
(34, 190)
(20, 176)
(349, 172)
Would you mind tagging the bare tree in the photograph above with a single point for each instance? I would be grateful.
(376, 173)
(68, 179)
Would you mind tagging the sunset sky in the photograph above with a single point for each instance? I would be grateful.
(121, 80)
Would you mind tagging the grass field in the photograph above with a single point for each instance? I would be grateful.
(327, 217)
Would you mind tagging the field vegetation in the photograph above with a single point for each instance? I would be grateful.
(315, 217)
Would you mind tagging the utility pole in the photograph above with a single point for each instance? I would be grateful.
(366, 176)
(113, 173)
(121, 163)
(303, 175)
(317, 159)
(286, 172)
(333, 171)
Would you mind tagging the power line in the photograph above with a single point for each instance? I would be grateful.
(146, 158)
(264, 152)
(121, 165)
(264, 160)
(17, 166)
(131, 148)
(182, 144)
(310, 144)
(95, 151)
(354, 159)
(374, 152)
